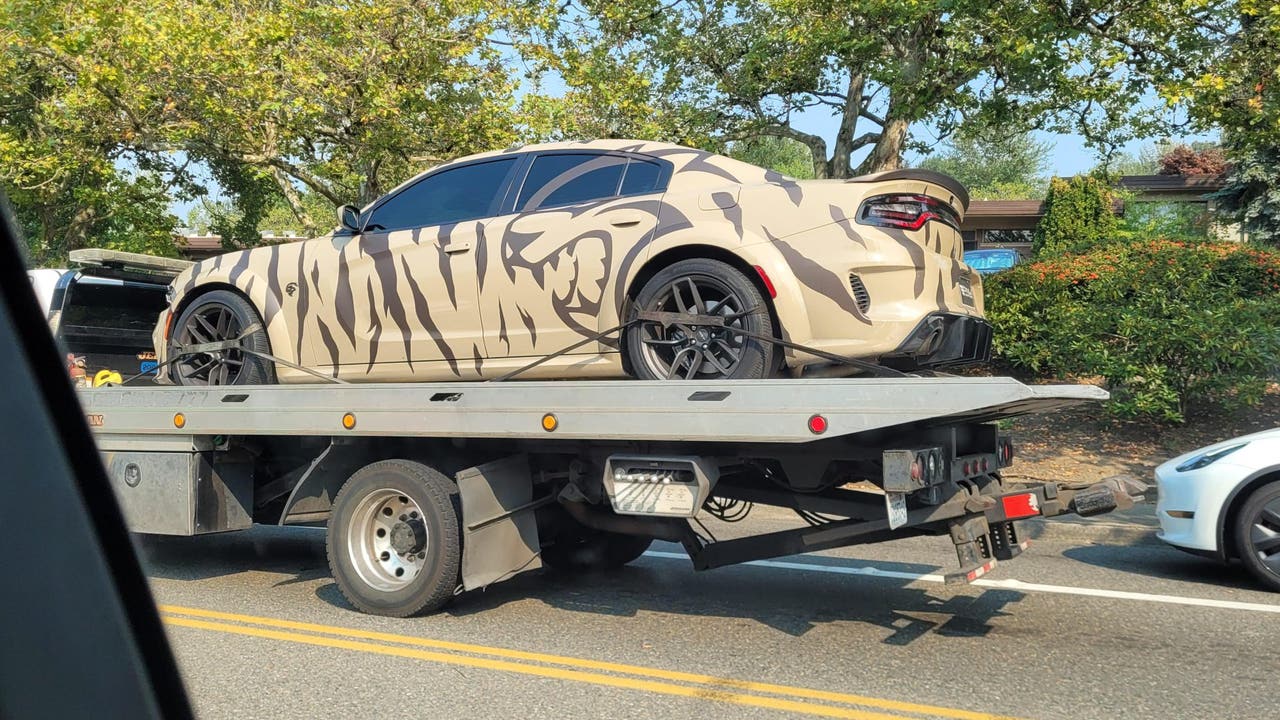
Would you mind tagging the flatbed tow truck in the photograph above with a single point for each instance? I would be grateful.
(432, 489)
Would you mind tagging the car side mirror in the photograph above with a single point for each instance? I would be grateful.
(349, 218)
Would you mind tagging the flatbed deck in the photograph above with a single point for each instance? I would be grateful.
(774, 411)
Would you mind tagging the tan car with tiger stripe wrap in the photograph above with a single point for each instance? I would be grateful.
(482, 265)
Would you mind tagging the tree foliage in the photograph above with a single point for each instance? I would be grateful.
(71, 178)
(344, 99)
(1186, 160)
(879, 67)
(776, 153)
(995, 164)
(1079, 215)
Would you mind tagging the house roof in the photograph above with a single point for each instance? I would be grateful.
(1172, 184)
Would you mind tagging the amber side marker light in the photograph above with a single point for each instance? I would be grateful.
(549, 422)
(348, 420)
(179, 420)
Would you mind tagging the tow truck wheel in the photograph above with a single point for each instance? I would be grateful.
(592, 551)
(393, 541)
(1258, 535)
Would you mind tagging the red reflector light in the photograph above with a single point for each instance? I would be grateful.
(984, 464)
(768, 284)
(1020, 506)
(817, 424)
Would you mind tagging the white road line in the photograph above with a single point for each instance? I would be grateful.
(870, 571)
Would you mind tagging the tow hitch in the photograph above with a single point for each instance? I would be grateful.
(982, 540)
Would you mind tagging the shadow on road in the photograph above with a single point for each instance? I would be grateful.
(1165, 563)
(792, 602)
(789, 601)
(293, 551)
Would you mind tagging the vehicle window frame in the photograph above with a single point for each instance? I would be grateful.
(665, 171)
(495, 204)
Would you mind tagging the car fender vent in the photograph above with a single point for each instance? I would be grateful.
(860, 294)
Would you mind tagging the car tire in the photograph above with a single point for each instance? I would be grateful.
(655, 352)
(213, 317)
(1257, 535)
(398, 563)
(594, 551)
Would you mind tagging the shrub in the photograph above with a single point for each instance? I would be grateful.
(1164, 323)
(1078, 215)
(1186, 160)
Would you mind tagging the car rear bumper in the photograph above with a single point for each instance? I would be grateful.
(943, 340)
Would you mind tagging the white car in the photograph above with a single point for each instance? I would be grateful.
(1223, 501)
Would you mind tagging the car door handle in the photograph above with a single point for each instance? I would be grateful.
(457, 247)
(625, 219)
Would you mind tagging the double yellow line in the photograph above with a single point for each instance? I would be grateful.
(631, 677)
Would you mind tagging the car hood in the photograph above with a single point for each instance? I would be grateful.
(1270, 435)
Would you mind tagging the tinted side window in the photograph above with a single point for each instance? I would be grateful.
(642, 177)
(564, 179)
(453, 195)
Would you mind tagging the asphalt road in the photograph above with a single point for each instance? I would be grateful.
(1068, 630)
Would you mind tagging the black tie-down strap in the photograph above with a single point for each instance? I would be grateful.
(178, 352)
(684, 321)
(689, 321)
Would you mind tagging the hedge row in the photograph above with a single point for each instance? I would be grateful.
(1169, 325)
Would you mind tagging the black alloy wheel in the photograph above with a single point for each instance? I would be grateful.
(684, 350)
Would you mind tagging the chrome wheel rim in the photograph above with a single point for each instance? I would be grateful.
(1264, 536)
(388, 540)
(209, 324)
(690, 351)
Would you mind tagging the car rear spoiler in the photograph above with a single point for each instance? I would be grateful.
(929, 176)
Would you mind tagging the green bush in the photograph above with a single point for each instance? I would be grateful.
(1165, 324)
(1078, 215)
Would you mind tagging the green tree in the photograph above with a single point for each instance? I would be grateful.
(1079, 215)
(995, 165)
(881, 67)
(776, 153)
(343, 99)
(1220, 59)
(72, 182)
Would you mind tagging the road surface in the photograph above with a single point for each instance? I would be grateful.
(1068, 630)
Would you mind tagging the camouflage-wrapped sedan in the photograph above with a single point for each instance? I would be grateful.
(480, 266)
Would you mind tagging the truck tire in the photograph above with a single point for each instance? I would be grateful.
(393, 541)
(593, 551)
(1258, 535)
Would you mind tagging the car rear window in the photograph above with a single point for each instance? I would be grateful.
(642, 177)
(569, 178)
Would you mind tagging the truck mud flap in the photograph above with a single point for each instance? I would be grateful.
(499, 531)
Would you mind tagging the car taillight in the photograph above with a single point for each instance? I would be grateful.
(906, 212)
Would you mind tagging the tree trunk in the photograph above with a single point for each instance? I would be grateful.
(78, 229)
(841, 162)
(887, 154)
(292, 197)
